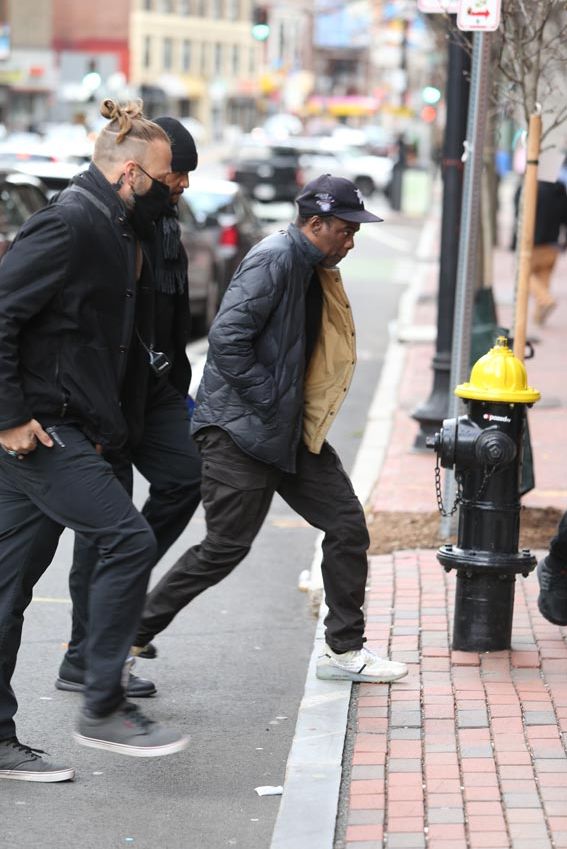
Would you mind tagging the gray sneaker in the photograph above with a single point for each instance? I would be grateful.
(128, 732)
(25, 764)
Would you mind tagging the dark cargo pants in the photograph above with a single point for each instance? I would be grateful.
(236, 492)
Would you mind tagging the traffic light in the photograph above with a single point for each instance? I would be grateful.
(260, 25)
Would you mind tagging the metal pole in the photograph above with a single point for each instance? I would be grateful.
(468, 241)
(430, 414)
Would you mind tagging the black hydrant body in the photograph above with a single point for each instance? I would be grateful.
(484, 448)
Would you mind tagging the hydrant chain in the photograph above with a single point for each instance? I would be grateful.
(439, 493)
(488, 472)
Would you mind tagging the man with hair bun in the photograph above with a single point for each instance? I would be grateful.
(159, 444)
(68, 299)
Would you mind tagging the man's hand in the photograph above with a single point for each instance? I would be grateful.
(23, 439)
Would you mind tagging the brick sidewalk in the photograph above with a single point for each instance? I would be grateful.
(468, 752)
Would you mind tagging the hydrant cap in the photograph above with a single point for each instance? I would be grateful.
(499, 376)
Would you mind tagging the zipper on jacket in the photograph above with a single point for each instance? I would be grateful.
(128, 327)
(64, 393)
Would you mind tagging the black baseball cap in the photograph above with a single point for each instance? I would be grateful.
(336, 196)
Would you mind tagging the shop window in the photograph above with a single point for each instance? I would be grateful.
(167, 60)
(147, 51)
(186, 55)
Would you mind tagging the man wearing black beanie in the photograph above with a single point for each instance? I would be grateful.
(184, 156)
(160, 445)
(173, 319)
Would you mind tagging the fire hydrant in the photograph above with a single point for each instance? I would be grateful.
(485, 449)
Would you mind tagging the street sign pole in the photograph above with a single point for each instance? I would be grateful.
(431, 413)
(468, 241)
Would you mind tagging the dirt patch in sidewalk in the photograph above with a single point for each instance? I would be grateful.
(398, 531)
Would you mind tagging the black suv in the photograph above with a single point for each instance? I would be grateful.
(267, 172)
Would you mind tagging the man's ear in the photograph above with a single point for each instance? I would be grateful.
(315, 223)
(129, 169)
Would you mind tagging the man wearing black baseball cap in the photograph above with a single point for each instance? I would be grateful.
(280, 361)
(334, 196)
(325, 206)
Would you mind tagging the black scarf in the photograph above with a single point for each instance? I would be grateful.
(170, 265)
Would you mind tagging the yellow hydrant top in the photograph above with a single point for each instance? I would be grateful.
(499, 376)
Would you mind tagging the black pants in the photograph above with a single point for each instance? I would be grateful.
(237, 492)
(169, 459)
(71, 486)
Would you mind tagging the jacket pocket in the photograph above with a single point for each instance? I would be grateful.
(90, 385)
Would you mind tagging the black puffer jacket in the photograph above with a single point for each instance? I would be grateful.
(252, 384)
(67, 305)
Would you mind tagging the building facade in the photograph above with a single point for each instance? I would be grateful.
(196, 58)
(28, 73)
(90, 45)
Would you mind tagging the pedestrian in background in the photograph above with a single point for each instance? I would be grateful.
(280, 361)
(159, 444)
(551, 218)
(67, 310)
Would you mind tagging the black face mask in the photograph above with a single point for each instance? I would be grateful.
(148, 207)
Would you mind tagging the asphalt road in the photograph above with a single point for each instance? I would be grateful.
(231, 668)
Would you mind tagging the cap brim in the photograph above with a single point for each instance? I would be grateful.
(358, 216)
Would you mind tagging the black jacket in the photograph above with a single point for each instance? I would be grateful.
(163, 320)
(252, 384)
(551, 212)
(67, 307)
(172, 332)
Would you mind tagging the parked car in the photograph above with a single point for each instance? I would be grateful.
(267, 172)
(54, 176)
(225, 214)
(204, 270)
(317, 156)
(20, 196)
(370, 173)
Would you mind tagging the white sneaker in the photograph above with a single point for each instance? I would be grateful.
(361, 665)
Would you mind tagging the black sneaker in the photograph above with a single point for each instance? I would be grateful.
(128, 732)
(72, 679)
(24, 764)
(552, 599)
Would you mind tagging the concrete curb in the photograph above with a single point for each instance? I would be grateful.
(308, 810)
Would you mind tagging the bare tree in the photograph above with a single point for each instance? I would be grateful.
(531, 49)
(530, 53)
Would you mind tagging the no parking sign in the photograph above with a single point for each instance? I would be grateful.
(479, 15)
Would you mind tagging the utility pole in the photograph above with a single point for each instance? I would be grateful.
(469, 236)
(431, 413)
